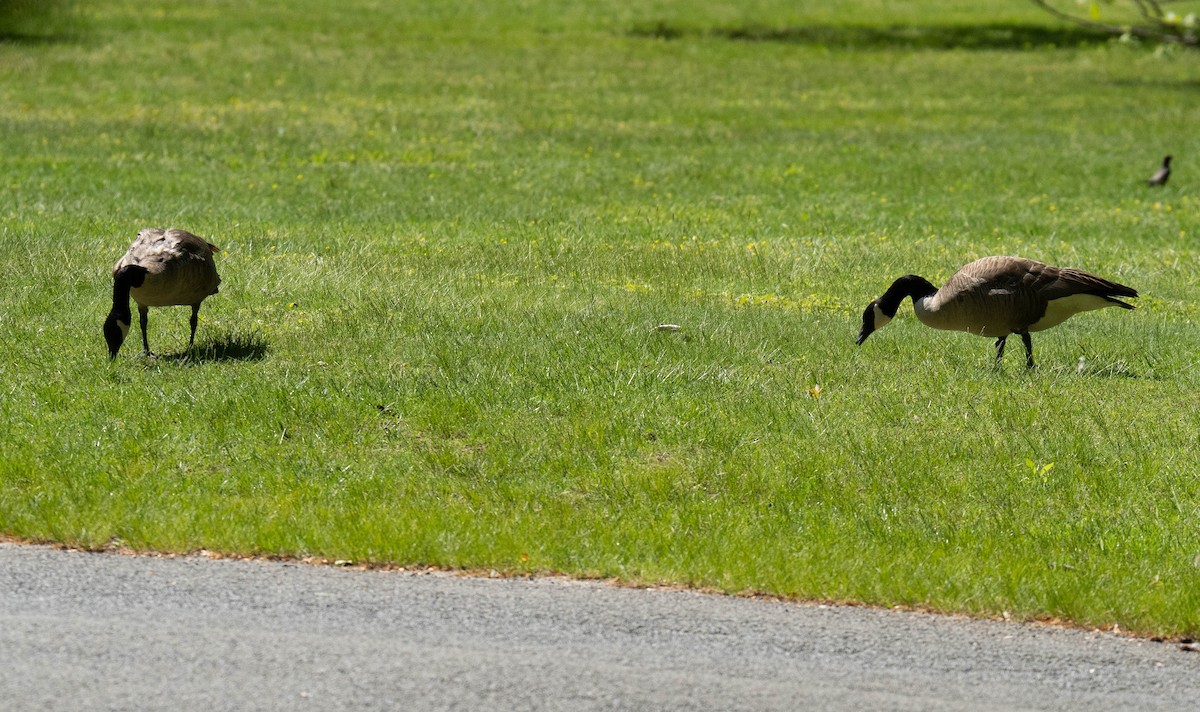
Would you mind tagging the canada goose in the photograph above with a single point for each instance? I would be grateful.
(1162, 174)
(998, 296)
(162, 268)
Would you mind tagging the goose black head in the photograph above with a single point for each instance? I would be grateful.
(881, 311)
(115, 329)
(874, 318)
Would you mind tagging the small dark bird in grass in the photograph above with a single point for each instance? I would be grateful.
(1162, 174)
(162, 268)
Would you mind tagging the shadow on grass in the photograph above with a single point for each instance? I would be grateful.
(37, 22)
(971, 37)
(1117, 370)
(1088, 369)
(1157, 83)
(26, 39)
(231, 346)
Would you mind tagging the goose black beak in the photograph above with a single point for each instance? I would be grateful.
(868, 324)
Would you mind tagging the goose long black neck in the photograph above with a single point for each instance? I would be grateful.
(124, 280)
(910, 285)
(120, 317)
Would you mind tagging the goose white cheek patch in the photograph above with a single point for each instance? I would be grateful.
(881, 319)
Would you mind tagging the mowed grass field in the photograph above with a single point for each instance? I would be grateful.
(449, 231)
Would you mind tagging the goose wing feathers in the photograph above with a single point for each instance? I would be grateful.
(1017, 275)
(992, 296)
(1069, 281)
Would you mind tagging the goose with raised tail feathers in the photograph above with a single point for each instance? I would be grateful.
(162, 268)
(998, 296)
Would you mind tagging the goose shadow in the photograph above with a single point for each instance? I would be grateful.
(1120, 371)
(231, 346)
(1117, 371)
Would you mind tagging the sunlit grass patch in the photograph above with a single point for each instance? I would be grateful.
(515, 287)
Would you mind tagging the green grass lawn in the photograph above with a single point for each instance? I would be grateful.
(448, 231)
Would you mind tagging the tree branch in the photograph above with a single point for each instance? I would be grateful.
(1158, 29)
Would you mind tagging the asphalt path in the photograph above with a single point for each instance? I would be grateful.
(81, 631)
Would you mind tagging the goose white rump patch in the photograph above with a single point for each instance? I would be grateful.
(1059, 310)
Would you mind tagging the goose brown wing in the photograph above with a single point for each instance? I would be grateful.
(992, 296)
(1072, 281)
(189, 262)
(142, 247)
(191, 243)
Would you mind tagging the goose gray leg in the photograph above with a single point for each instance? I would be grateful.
(1000, 348)
(1028, 349)
(143, 317)
(194, 320)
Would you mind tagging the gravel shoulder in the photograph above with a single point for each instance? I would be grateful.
(100, 631)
